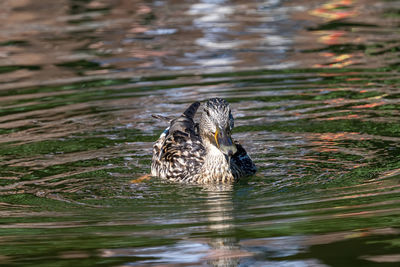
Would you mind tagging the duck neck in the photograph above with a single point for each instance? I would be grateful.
(216, 164)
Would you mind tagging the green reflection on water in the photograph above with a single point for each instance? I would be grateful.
(11, 68)
(92, 205)
(325, 142)
(327, 126)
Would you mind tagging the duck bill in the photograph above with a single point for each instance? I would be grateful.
(225, 143)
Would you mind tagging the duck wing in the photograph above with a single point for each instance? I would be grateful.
(182, 131)
(185, 122)
(243, 162)
(178, 152)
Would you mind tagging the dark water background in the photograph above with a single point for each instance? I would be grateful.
(314, 88)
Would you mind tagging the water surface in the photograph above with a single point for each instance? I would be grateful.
(314, 89)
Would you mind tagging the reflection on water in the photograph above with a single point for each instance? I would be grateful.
(313, 87)
(225, 251)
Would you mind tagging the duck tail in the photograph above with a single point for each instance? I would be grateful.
(189, 113)
(161, 117)
(191, 110)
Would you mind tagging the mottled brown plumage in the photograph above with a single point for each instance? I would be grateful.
(203, 152)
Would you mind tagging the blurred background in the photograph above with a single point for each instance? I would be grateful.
(48, 40)
(314, 90)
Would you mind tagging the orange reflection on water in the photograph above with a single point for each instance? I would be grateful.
(337, 61)
(390, 173)
(333, 136)
(327, 143)
(353, 79)
(330, 37)
(370, 105)
(344, 117)
(339, 100)
(334, 10)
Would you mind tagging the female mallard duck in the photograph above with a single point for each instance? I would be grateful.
(203, 152)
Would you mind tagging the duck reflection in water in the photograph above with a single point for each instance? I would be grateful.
(224, 249)
(201, 152)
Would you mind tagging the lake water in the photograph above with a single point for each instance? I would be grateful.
(314, 88)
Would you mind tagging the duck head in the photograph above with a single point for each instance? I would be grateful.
(216, 126)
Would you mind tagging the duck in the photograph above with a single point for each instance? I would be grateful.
(202, 152)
